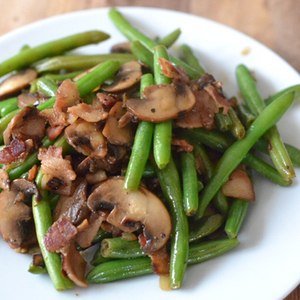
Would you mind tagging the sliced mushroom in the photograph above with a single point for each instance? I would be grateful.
(4, 180)
(26, 99)
(88, 112)
(112, 131)
(130, 209)
(17, 82)
(121, 48)
(128, 75)
(25, 189)
(16, 220)
(86, 138)
(162, 102)
(239, 185)
(73, 208)
(74, 265)
(27, 124)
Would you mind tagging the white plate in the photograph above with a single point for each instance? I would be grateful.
(267, 263)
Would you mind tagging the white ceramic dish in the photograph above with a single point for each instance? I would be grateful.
(266, 265)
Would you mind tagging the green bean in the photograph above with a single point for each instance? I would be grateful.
(265, 169)
(223, 122)
(293, 152)
(8, 102)
(121, 248)
(142, 53)
(294, 88)
(237, 128)
(277, 150)
(101, 235)
(133, 34)
(170, 184)
(162, 137)
(189, 183)
(99, 259)
(236, 217)
(79, 62)
(31, 55)
(53, 199)
(170, 39)
(141, 147)
(43, 220)
(219, 143)
(8, 109)
(246, 116)
(220, 201)
(126, 268)
(47, 86)
(149, 170)
(62, 77)
(36, 270)
(187, 55)
(205, 226)
(235, 154)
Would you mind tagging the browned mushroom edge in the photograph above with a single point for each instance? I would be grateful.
(16, 82)
(131, 210)
(162, 102)
(128, 75)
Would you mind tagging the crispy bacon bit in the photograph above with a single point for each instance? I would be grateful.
(27, 124)
(172, 71)
(160, 259)
(4, 180)
(85, 237)
(32, 172)
(108, 101)
(74, 207)
(74, 265)
(219, 98)
(58, 172)
(67, 95)
(12, 152)
(59, 235)
(88, 112)
(181, 145)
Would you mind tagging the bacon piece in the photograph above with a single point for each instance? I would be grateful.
(58, 172)
(12, 152)
(219, 98)
(74, 265)
(181, 145)
(108, 101)
(59, 235)
(67, 95)
(32, 172)
(172, 71)
(160, 260)
(87, 112)
(27, 124)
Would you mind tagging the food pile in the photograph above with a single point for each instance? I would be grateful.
(136, 151)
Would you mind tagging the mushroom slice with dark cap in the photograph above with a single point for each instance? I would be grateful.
(4, 180)
(162, 102)
(25, 99)
(17, 82)
(112, 130)
(73, 208)
(86, 138)
(16, 220)
(128, 75)
(131, 209)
